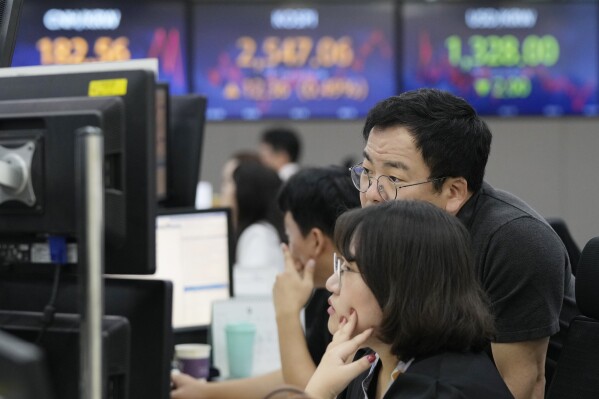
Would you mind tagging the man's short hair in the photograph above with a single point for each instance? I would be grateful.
(315, 197)
(283, 139)
(417, 261)
(453, 139)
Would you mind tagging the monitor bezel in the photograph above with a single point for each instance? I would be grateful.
(185, 145)
(8, 30)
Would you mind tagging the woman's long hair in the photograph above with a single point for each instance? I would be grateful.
(256, 189)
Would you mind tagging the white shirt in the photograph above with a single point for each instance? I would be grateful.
(399, 369)
(288, 170)
(259, 260)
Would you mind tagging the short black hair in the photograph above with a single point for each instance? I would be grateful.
(417, 261)
(283, 139)
(315, 197)
(453, 139)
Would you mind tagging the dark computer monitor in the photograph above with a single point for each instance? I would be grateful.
(184, 149)
(60, 345)
(46, 128)
(10, 11)
(162, 128)
(194, 250)
(137, 90)
(23, 372)
(147, 304)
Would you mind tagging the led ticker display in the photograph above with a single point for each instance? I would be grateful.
(51, 32)
(519, 59)
(263, 61)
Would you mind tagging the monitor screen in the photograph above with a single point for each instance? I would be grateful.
(193, 250)
(278, 61)
(9, 21)
(66, 32)
(505, 58)
(24, 374)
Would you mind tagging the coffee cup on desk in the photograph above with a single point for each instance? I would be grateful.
(193, 359)
(240, 348)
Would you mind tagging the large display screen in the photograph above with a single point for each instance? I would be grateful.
(265, 61)
(51, 32)
(510, 59)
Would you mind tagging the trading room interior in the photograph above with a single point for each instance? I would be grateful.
(148, 100)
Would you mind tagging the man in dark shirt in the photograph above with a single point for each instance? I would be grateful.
(430, 145)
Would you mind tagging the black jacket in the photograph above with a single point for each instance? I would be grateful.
(448, 375)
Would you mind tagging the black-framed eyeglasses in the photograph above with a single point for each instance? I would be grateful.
(386, 186)
(338, 269)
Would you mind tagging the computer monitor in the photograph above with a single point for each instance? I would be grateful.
(147, 305)
(24, 374)
(137, 90)
(10, 11)
(46, 128)
(184, 149)
(194, 251)
(60, 344)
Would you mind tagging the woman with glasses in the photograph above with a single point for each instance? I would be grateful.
(404, 287)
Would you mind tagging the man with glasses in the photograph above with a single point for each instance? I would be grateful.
(430, 145)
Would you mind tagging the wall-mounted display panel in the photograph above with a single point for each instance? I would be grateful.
(277, 61)
(505, 58)
(54, 32)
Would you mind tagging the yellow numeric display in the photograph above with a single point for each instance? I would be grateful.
(75, 50)
(294, 52)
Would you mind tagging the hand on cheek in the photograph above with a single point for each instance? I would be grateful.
(336, 369)
(292, 288)
(347, 327)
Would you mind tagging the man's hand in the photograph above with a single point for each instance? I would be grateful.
(187, 387)
(293, 286)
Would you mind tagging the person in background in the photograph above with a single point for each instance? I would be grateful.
(404, 287)
(280, 150)
(430, 145)
(250, 189)
(311, 201)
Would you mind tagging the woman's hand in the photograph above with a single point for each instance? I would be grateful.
(336, 369)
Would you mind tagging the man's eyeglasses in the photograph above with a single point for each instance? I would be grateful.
(386, 186)
(338, 268)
